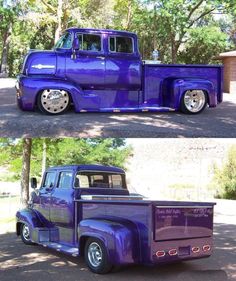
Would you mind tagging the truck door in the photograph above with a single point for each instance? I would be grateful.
(43, 201)
(62, 205)
(88, 68)
(123, 70)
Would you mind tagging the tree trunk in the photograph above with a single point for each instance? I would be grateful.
(27, 145)
(174, 51)
(44, 159)
(129, 13)
(59, 17)
(5, 49)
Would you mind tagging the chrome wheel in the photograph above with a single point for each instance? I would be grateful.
(54, 101)
(26, 232)
(194, 100)
(95, 254)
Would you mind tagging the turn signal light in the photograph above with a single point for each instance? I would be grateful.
(206, 248)
(160, 254)
(173, 252)
(195, 249)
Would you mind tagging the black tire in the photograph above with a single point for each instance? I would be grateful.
(187, 110)
(25, 238)
(60, 110)
(104, 266)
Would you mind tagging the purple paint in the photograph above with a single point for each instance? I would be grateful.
(132, 229)
(109, 81)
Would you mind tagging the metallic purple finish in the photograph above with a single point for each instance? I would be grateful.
(132, 230)
(103, 81)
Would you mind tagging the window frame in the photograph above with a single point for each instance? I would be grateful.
(123, 187)
(72, 39)
(90, 51)
(123, 53)
(59, 177)
(45, 177)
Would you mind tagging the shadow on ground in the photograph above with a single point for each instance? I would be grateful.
(21, 262)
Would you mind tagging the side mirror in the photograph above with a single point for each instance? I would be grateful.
(33, 183)
(75, 47)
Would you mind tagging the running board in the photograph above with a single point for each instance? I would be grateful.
(72, 251)
(44, 234)
(128, 109)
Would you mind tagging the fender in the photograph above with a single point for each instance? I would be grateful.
(119, 237)
(28, 216)
(181, 85)
(30, 86)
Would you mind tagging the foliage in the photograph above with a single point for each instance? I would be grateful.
(225, 177)
(204, 43)
(63, 152)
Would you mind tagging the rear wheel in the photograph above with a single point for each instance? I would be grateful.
(53, 101)
(25, 234)
(193, 101)
(96, 256)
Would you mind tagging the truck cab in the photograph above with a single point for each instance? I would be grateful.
(87, 210)
(101, 70)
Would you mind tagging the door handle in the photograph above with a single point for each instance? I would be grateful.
(102, 58)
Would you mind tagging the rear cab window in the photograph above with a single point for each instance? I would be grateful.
(99, 180)
(90, 42)
(121, 44)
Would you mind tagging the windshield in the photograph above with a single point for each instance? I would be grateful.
(65, 41)
(96, 179)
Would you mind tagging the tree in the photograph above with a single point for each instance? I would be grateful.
(26, 154)
(203, 45)
(63, 151)
(225, 177)
(174, 19)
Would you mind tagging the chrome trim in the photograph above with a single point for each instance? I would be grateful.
(186, 207)
(42, 66)
(111, 197)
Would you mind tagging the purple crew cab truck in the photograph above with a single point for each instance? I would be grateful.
(102, 71)
(86, 210)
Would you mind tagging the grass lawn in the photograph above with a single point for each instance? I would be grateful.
(8, 209)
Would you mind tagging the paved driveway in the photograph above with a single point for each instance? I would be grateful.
(20, 262)
(216, 122)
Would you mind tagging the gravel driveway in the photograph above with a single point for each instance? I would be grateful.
(215, 122)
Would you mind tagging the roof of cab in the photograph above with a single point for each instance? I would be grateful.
(107, 31)
(88, 168)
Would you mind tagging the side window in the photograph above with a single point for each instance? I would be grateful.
(115, 181)
(121, 45)
(89, 42)
(65, 179)
(49, 179)
(65, 41)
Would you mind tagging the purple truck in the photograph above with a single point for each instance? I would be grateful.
(102, 71)
(86, 210)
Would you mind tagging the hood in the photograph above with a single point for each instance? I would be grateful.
(40, 62)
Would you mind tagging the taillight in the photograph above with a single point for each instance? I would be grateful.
(160, 254)
(206, 248)
(195, 249)
(173, 252)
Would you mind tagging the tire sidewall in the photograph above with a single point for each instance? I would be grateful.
(184, 109)
(43, 110)
(105, 265)
(27, 242)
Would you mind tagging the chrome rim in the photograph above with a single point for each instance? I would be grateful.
(54, 101)
(194, 100)
(94, 254)
(26, 232)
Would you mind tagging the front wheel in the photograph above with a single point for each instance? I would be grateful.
(193, 101)
(96, 256)
(53, 101)
(25, 234)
